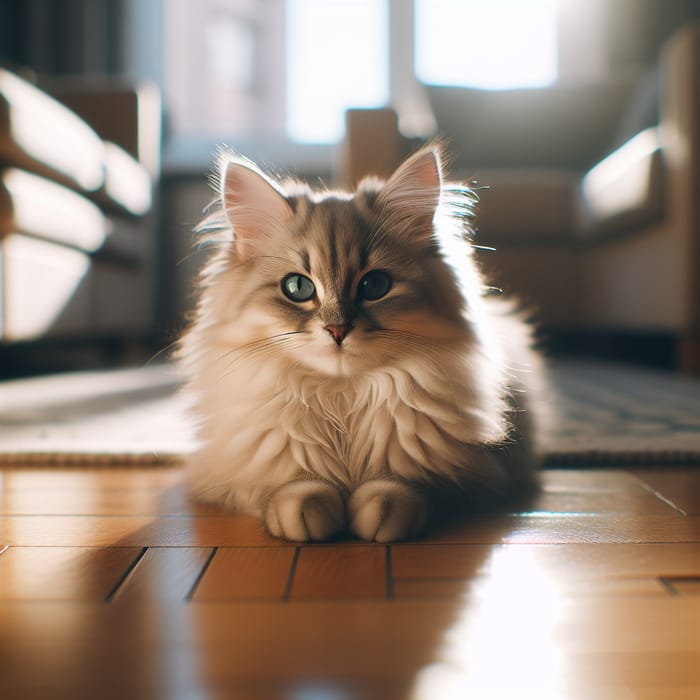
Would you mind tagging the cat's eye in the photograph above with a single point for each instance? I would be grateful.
(298, 288)
(374, 285)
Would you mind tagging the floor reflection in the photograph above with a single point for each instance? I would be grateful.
(503, 641)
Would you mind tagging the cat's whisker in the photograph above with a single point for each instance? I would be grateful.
(156, 355)
(260, 349)
(259, 353)
(261, 341)
(419, 343)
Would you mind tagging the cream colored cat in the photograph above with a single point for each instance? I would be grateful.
(345, 367)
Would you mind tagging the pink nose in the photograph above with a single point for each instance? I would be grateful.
(338, 332)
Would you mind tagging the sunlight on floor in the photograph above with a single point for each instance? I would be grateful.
(503, 642)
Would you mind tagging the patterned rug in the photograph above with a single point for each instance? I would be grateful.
(616, 415)
(607, 415)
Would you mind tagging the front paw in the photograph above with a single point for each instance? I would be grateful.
(385, 511)
(306, 511)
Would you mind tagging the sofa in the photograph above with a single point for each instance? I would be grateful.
(79, 161)
(590, 195)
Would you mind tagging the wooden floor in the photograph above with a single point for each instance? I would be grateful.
(112, 584)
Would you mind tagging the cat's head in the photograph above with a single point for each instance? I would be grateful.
(342, 283)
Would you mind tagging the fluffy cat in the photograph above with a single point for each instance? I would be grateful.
(346, 367)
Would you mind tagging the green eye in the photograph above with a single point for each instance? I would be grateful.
(298, 287)
(374, 285)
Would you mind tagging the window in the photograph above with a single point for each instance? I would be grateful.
(275, 77)
(337, 57)
(491, 44)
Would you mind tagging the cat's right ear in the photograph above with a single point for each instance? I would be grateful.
(255, 206)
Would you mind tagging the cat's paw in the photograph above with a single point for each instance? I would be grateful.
(385, 511)
(306, 511)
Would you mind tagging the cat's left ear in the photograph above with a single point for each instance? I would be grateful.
(410, 197)
(255, 206)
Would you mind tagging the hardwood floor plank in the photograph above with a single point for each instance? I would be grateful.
(681, 487)
(569, 589)
(348, 571)
(634, 500)
(172, 500)
(665, 693)
(246, 573)
(556, 528)
(625, 623)
(242, 530)
(368, 639)
(164, 573)
(642, 669)
(300, 646)
(429, 588)
(439, 562)
(62, 573)
(91, 478)
(587, 480)
(684, 585)
(137, 531)
(580, 561)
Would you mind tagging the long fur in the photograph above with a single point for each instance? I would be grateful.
(435, 383)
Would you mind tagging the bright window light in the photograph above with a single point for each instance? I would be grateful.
(337, 56)
(488, 44)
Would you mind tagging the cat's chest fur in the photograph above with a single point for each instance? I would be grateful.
(274, 426)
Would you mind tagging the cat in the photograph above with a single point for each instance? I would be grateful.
(346, 367)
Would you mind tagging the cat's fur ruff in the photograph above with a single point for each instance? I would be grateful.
(430, 387)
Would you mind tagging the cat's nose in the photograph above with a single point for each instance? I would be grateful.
(338, 332)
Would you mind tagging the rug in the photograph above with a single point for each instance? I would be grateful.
(616, 415)
(126, 416)
(607, 415)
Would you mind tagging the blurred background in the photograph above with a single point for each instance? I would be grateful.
(578, 121)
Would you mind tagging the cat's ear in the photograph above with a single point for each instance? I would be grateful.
(410, 197)
(255, 206)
